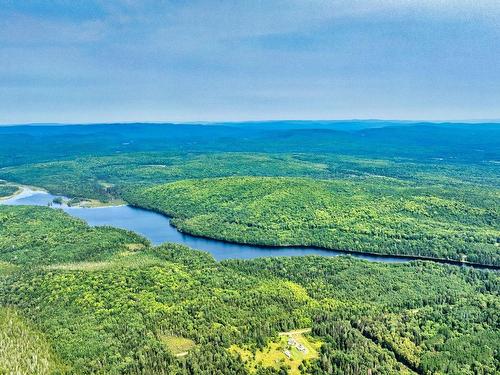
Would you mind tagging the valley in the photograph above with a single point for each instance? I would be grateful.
(111, 287)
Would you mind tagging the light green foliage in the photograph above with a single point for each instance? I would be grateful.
(87, 300)
(431, 318)
(7, 268)
(179, 346)
(42, 235)
(431, 207)
(24, 350)
(113, 316)
(363, 214)
(101, 177)
(104, 177)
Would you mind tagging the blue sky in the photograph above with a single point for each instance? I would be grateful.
(99, 61)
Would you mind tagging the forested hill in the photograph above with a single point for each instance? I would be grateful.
(453, 142)
(392, 188)
(76, 299)
(81, 300)
(364, 215)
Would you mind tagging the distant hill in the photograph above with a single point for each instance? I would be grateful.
(471, 142)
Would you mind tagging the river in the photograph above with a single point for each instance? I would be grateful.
(157, 229)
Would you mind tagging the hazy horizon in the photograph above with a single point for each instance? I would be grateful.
(201, 122)
(222, 61)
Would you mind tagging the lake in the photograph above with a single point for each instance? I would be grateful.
(157, 229)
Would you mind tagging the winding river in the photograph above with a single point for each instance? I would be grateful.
(157, 229)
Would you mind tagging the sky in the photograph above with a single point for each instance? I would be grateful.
(124, 60)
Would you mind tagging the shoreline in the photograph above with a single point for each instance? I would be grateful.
(26, 191)
(401, 257)
(22, 191)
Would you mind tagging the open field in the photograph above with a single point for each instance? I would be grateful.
(241, 187)
(179, 346)
(284, 352)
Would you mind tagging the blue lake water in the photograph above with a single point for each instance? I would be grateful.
(157, 229)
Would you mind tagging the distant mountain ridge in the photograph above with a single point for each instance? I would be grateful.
(448, 141)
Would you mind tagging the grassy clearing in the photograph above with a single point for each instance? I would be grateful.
(23, 350)
(126, 259)
(105, 184)
(285, 351)
(7, 268)
(94, 203)
(80, 266)
(179, 346)
(135, 246)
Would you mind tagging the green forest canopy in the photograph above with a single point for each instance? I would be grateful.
(109, 314)
(421, 189)
(431, 208)
(374, 214)
(101, 300)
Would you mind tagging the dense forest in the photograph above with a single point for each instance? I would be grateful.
(81, 313)
(359, 214)
(371, 139)
(425, 199)
(104, 176)
(76, 299)
(25, 241)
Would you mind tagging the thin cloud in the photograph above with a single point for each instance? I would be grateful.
(202, 60)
